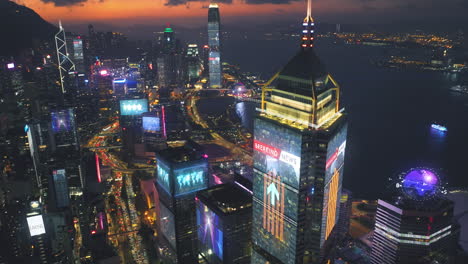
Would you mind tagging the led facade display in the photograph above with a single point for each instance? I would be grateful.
(274, 216)
(333, 178)
(36, 225)
(167, 224)
(163, 176)
(63, 121)
(61, 188)
(78, 48)
(210, 233)
(133, 107)
(277, 150)
(191, 179)
(151, 124)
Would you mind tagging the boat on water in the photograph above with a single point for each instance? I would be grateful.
(460, 89)
(439, 127)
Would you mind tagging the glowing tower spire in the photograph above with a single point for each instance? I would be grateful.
(308, 28)
(65, 65)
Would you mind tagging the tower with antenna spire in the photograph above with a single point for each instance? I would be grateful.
(299, 149)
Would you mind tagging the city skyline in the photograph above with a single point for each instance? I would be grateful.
(123, 13)
(232, 136)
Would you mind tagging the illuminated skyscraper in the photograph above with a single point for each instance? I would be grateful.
(224, 219)
(418, 226)
(299, 149)
(214, 60)
(65, 65)
(181, 171)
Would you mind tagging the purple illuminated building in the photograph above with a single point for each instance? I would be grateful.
(224, 220)
(417, 226)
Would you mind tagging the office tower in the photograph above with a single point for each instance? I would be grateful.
(193, 63)
(65, 65)
(76, 53)
(181, 171)
(299, 148)
(224, 219)
(417, 225)
(153, 126)
(346, 204)
(168, 41)
(214, 61)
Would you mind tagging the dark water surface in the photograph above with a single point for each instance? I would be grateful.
(389, 112)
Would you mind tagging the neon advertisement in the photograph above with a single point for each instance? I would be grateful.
(210, 233)
(163, 176)
(188, 180)
(333, 177)
(277, 149)
(133, 107)
(151, 124)
(36, 225)
(275, 215)
(63, 121)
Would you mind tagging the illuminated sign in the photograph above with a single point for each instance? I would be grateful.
(278, 149)
(151, 124)
(63, 121)
(11, 65)
(277, 163)
(188, 180)
(210, 233)
(104, 73)
(36, 225)
(273, 205)
(333, 178)
(133, 107)
(120, 80)
(163, 176)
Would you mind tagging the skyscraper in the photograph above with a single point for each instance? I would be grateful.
(299, 148)
(416, 227)
(65, 65)
(181, 171)
(224, 219)
(214, 60)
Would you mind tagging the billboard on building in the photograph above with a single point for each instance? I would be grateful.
(277, 162)
(163, 172)
(151, 124)
(167, 224)
(210, 234)
(333, 178)
(36, 225)
(78, 48)
(63, 120)
(62, 197)
(274, 216)
(191, 179)
(131, 107)
(277, 150)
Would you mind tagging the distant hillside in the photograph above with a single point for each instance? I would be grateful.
(21, 27)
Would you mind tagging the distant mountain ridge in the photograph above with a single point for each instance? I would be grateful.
(22, 28)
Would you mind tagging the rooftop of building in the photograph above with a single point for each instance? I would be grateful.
(226, 198)
(304, 65)
(189, 151)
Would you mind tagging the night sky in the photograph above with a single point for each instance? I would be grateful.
(189, 13)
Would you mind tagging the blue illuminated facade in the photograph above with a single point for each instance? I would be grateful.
(181, 171)
(151, 124)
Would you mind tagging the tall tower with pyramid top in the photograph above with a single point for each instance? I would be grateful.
(299, 149)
